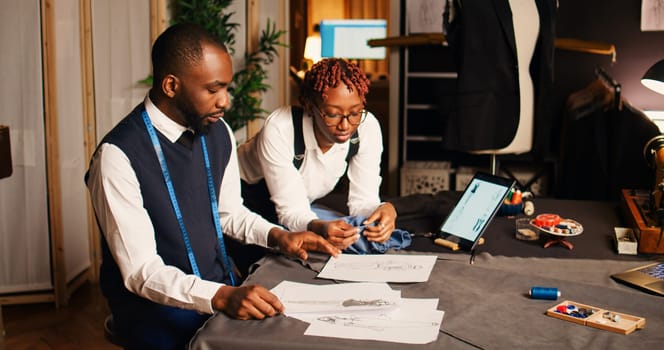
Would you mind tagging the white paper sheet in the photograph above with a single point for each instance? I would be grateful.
(379, 268)
(346, 297)
(401, 326)
(375, 312)
(652, 15)
(425, 16)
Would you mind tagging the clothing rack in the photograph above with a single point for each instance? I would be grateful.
(611, 84)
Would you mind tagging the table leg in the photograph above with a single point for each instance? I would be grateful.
(561, 241)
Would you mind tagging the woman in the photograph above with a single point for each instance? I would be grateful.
(333, 102)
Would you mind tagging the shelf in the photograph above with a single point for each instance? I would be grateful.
(423, 107)
(433, 75)
(421, 138)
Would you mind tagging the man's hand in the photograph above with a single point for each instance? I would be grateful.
(246, 302)
(384, 217)
(338, 232)
(298, 243)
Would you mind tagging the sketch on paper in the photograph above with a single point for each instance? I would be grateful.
(378, 323)
(350, 310)
(336, 298)
(425, 16)
(388, 265)
(379, 268)
(345, 303)
(652, 15)
(403, 325)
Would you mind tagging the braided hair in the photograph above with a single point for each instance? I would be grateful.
(328, 73)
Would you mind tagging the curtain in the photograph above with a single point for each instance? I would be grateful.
(121, 47)
(371, 9)
(24, 232)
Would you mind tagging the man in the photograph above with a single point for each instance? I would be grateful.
(162, 203)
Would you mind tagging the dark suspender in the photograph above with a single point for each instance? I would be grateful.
(298, 140)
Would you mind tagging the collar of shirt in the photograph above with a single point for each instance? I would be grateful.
(167, 126)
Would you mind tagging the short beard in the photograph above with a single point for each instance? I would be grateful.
(196, 123)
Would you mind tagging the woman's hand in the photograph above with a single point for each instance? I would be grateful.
(381, 223)
(338, 232)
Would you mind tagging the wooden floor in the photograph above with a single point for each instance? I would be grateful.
(80, 325)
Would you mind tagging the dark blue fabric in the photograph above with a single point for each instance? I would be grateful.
(187, 172)
(156, 327)
(399, 239)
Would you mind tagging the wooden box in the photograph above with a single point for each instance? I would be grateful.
(625, 240)
(607, 320)
(635, 207)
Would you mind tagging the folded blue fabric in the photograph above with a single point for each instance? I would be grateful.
(398, 240)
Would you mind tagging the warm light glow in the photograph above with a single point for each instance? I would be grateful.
(312, 48)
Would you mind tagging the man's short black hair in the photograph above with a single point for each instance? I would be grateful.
(179, 46)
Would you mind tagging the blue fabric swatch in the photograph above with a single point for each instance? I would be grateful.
(398, 240)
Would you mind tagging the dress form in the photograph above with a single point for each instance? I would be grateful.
(525, 19)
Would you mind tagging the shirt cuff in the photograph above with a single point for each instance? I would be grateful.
(203, 293)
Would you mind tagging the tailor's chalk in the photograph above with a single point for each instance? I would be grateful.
(546, 293)
(445, 243)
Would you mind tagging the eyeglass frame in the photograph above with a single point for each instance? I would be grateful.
(340, 117)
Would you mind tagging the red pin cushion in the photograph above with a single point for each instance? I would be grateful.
(546, 220)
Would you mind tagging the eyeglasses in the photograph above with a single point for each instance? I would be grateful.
(353, 118)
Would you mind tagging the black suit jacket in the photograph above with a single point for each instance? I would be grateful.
(603, 153)
(485, 113)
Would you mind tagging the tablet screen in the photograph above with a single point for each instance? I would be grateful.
(475, 209)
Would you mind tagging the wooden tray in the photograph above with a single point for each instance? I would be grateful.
(607, 320)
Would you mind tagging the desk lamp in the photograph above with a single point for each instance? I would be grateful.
(653, 152)
(646, 212)
(654, 78)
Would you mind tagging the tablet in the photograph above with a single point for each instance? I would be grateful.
(477, 206)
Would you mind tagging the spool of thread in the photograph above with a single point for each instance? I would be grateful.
(528, 207)
(546, 293)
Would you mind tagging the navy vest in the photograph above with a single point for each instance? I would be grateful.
(187, 170)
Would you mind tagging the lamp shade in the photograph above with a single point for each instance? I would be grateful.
(654, 78)
(312, 48)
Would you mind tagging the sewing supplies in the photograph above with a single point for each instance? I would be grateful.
(625, 240)
(524, 230)
(556, 226)
(528, 205)
(447, 244)
(596, 317)
(452, 245)
(547, 293)
(513, 203)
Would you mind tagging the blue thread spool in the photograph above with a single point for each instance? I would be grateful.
(544, 293)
